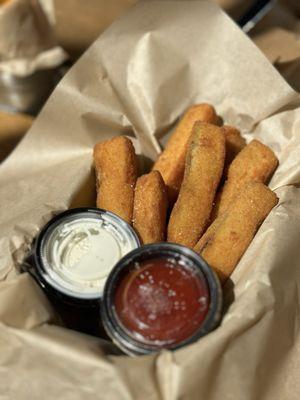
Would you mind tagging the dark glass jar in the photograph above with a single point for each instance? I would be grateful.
(160, 296)
(72, 257)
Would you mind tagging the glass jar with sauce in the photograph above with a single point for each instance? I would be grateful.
(160, 296)
(72, 257)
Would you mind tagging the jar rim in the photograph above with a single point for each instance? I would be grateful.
(43, 277)
(112, 325)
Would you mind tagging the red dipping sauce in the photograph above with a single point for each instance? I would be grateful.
(161, 301)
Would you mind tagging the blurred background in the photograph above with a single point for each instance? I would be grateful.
(41, 39)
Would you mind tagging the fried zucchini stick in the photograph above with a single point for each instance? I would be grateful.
(171, 162)
(203, 170)
(150, 208)
(234, 143)
(116, 174)
(255, 163)
(228, 237)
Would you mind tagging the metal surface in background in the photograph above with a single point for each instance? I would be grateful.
(27, 94)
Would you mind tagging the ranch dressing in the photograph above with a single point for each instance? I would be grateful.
(80, 251)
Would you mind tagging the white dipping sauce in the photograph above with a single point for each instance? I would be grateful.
(80, 252)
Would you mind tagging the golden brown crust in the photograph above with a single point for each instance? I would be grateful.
(234, 143)
(171, 162)
(116, 174)
(150, 208)
(255, 163)
(226, 240)
(203, 170)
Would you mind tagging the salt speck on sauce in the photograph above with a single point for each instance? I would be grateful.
(165, 302)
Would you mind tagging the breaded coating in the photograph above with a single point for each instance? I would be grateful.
(203, 170)
(234, 143)
(171, 161)
(116, 174)
(255, 163)
(226, 240)
(150, 208)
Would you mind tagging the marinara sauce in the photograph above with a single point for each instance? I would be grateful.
(160, 296)
(161, 301)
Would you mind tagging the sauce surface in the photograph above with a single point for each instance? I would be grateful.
(161, 302)
(81, 250)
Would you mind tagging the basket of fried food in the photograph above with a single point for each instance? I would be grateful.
(207, 190)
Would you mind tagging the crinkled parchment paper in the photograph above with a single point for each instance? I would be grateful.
(137, 79)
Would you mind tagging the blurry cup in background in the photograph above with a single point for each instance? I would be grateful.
(29, 56)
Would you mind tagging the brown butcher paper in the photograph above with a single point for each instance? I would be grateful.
(137, 79)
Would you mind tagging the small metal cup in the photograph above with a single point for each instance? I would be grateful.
(26, 94)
